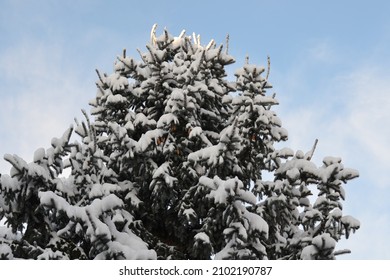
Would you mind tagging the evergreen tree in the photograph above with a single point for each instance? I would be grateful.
(171, 167)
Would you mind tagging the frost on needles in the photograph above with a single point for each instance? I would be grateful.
(170, 166)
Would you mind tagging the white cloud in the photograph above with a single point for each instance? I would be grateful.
(369, 112)
(349, 116)
(40, 94)
(346, 109)
(322, 51)
(369, 240)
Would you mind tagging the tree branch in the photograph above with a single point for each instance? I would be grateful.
(309, 155)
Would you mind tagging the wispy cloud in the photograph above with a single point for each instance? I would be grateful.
(349, 116)
(370, 239)
(40, 94)
(369, 107)
(351, 121)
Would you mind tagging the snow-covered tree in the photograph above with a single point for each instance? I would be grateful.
(172, 167)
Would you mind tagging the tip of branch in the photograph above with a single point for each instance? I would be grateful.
(268, 67)
(310, 154)
(247, 59)
(227, 43)
(153, 39)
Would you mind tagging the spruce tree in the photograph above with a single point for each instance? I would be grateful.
(170, 166)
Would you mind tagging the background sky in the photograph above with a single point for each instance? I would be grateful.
(330, 67)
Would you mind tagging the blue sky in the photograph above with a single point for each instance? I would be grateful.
(329, 67)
